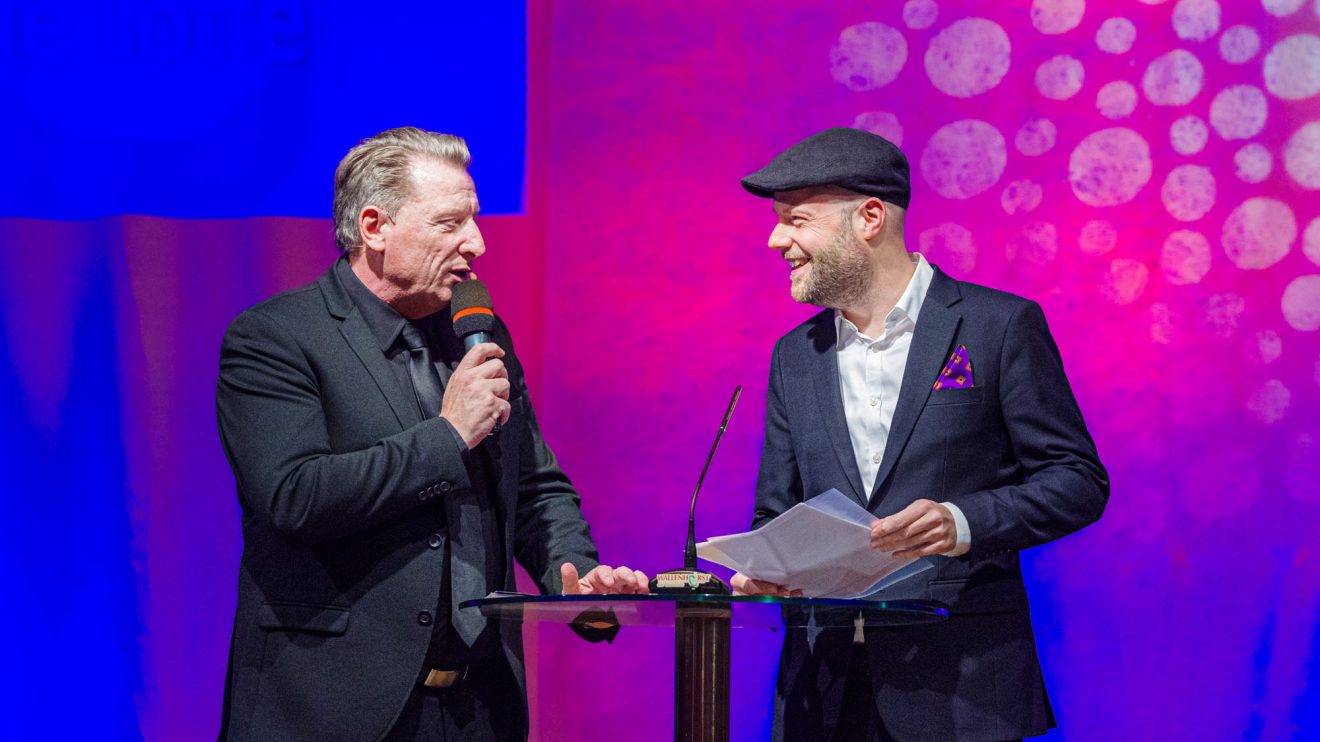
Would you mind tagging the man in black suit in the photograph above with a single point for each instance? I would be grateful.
(385, 476)
(943, 408)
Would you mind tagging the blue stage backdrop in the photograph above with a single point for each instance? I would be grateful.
(1145, 169)
(209, 109)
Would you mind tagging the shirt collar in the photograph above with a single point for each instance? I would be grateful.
(385, 323)
(907, 308)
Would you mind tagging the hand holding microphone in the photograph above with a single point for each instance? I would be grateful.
(476, 399)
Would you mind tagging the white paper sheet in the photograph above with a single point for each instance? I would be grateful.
(821, 547)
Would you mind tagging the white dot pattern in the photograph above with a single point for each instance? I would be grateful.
(1233, 78)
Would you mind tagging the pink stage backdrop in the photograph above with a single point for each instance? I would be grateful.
(1145, 171)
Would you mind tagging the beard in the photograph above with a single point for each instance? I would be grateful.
(840, 274)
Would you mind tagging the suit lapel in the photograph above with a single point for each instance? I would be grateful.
(364, 344)
(936, 328)
(355, 331)
(825, 377)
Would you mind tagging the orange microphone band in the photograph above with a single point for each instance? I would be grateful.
(473, 310)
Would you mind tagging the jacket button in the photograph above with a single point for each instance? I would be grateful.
(424, 618)
(435, 541)
(445, 486)
(423, 495)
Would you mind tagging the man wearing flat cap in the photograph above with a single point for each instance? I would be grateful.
(943, 408)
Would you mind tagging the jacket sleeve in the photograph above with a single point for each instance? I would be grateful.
(549, 528)
(273, 427)
(779, 482)
(1065, 486)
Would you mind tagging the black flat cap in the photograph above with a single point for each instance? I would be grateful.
(849, 158)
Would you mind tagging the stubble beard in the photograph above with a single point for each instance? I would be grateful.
(840, 275)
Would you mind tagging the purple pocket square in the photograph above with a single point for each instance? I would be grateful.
(957, 373)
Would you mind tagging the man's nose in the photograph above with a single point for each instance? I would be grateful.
(473, 245)
(779, 238)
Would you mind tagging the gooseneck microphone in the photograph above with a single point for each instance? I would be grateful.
(474, 320)
(690, 579)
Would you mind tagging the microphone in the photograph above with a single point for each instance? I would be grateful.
(474, 320)
(690, 579)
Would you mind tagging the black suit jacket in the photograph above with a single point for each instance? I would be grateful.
(1012, 452)
(341, 484)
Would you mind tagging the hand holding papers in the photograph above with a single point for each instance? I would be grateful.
(821, 547)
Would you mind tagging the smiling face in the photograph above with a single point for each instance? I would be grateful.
(829, 265)
(430, 242)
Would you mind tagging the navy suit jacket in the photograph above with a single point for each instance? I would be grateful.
(341, 484)
(1012, 452)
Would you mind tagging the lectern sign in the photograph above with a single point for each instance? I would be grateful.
(681, 580)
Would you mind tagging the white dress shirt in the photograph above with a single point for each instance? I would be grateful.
(870, 378)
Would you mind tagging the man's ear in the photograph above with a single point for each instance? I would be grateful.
(873, 218)
(373, 227)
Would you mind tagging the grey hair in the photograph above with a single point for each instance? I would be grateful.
(895, 215)
(378, 172)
